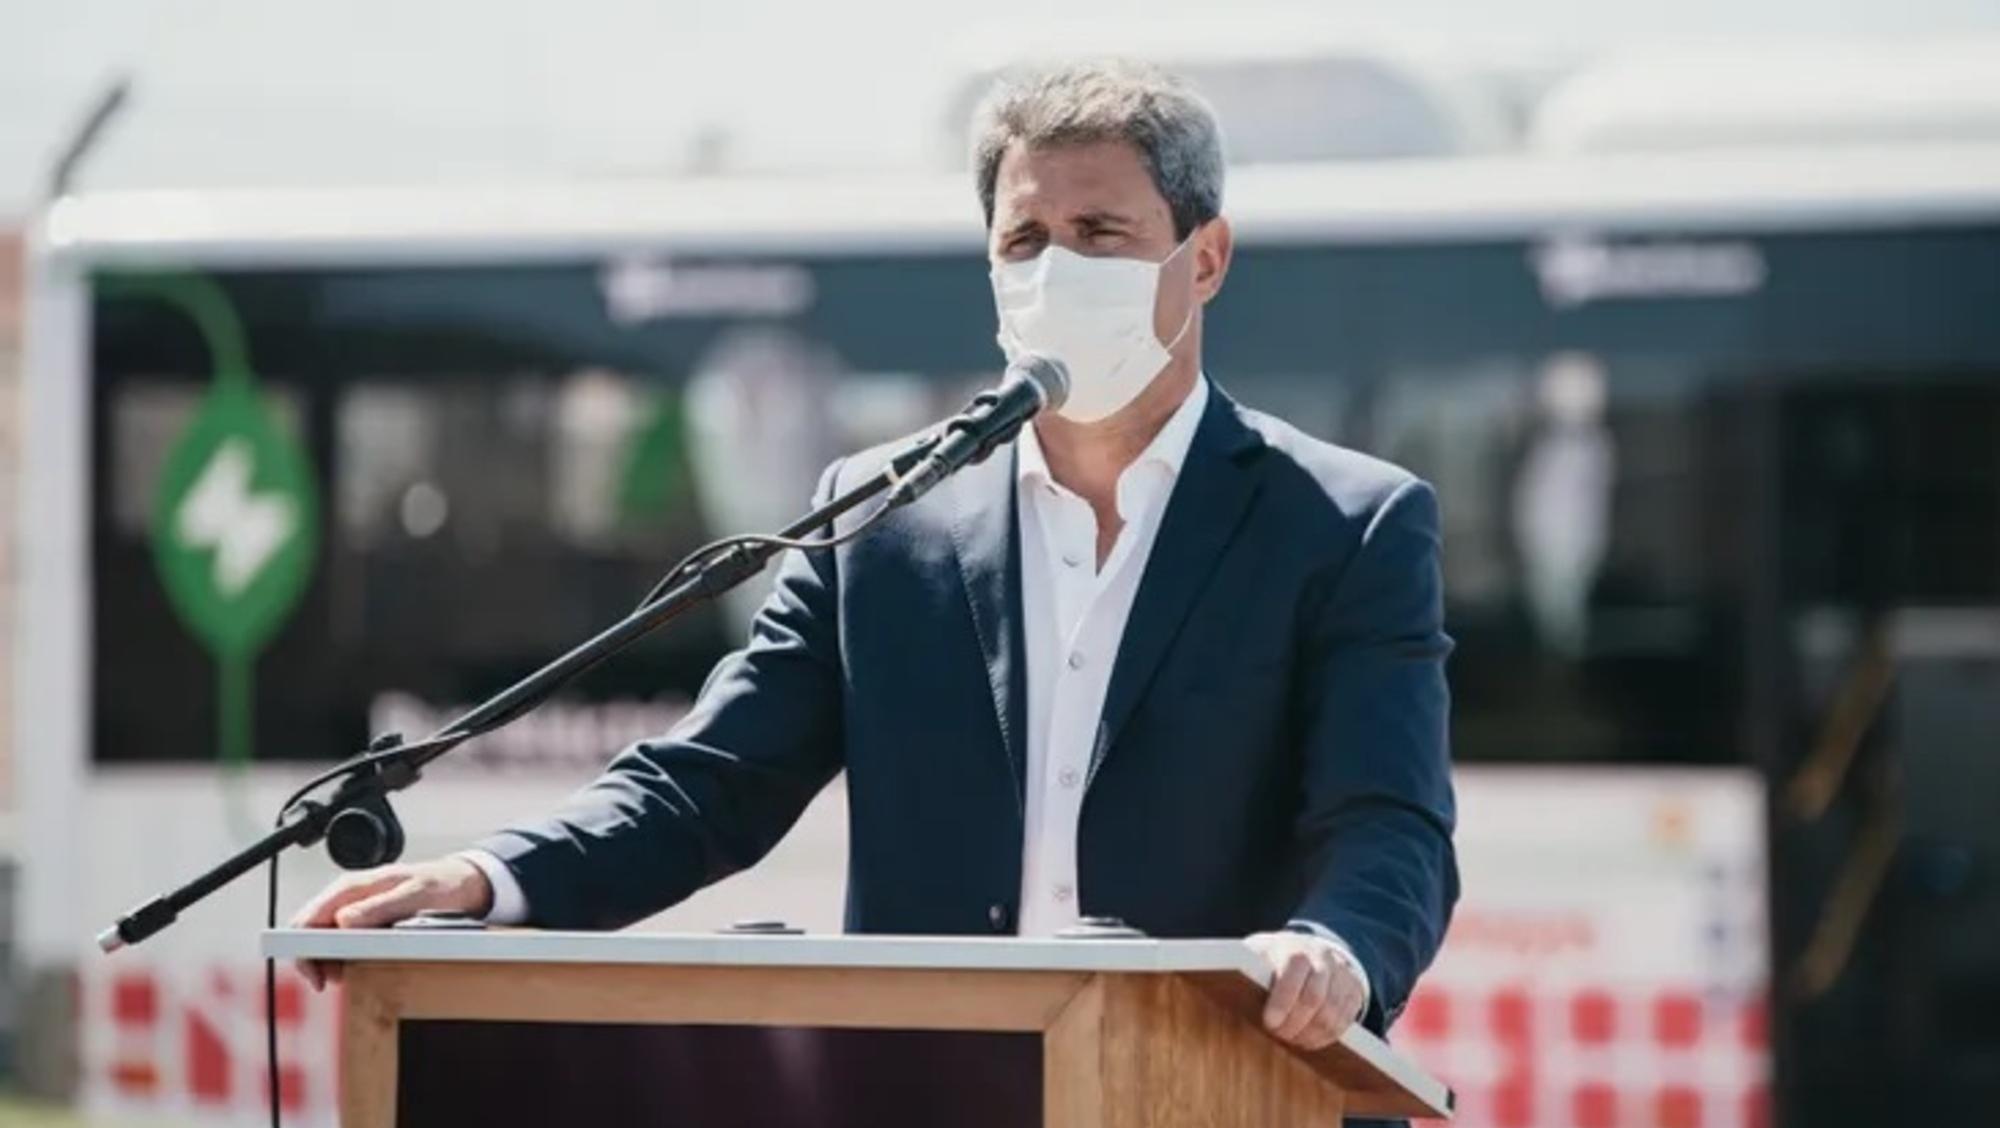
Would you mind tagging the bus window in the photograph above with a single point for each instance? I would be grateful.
(1591, 600)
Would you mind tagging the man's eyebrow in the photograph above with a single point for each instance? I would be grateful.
(1020, 226)
(1099, 217)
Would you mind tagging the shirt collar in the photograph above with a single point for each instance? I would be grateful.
(1168, 450)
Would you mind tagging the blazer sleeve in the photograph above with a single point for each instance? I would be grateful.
(714, 795)
(1378, 814)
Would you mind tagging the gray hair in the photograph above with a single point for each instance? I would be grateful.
(1161, 116)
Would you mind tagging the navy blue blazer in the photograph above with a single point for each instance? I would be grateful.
(1273, 746)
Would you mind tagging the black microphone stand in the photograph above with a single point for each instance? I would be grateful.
(357, 822)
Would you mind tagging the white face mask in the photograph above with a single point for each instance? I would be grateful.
(1093, 314)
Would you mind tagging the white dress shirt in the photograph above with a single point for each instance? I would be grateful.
(1074, 620)
(1074, 616)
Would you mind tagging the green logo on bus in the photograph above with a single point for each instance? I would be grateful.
(235, 524)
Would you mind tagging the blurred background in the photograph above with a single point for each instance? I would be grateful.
(440, 327)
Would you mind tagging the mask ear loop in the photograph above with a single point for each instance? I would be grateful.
(1187, 321)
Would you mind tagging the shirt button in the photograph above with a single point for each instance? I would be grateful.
(1076, 659)
(998, 917)
(1069, 777)
(1071, 559)
(1065, 892)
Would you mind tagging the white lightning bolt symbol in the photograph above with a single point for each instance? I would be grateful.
(245, 530)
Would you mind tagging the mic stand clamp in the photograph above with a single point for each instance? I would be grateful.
(364, 832)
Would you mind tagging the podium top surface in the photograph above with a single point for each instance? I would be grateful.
(949, 953)
(1227, 959)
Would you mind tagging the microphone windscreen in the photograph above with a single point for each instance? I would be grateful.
(1049, 376)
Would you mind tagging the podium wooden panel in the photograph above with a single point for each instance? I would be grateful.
(1133, 1033)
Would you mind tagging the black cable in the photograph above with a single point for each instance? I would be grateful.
(354, 764)
(688, 564)
(271, 1001)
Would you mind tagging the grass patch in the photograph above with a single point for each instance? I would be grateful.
(19, 1112)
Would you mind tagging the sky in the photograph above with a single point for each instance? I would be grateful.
(275, 92)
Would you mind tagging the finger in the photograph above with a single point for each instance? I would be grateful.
(1311, 999)
(393, 904)
(1350, 1000)
(1291, 980)
(1319, 1034)
(317, 912)
(1338, 1013)
(320, 974)
(1327, 1026)
(320, 911)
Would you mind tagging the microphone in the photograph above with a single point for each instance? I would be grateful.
(1033, 383)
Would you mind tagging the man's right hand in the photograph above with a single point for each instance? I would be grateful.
(380, 897)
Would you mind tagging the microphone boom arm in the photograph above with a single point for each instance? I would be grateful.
(367, 780)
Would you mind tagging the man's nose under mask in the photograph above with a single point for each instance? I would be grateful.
(1093, 314)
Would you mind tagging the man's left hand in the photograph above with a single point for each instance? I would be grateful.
(1316, 992)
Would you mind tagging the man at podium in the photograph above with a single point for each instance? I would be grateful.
(1166, 659)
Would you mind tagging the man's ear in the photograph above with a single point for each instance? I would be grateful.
(1213, 245)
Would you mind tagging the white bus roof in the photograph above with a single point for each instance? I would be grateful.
(1308, 88)
(1415, 200)
(1843, 94)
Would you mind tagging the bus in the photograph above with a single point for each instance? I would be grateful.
(1717, 441)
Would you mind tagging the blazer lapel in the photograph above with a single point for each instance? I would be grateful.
(1208, 504)
(989, 560)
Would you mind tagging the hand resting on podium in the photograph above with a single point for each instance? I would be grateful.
(380, 897)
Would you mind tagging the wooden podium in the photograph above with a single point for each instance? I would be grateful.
(499, 1028)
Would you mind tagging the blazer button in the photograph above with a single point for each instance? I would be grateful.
(1000, 917)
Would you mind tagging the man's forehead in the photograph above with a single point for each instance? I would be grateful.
(1107, 174)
